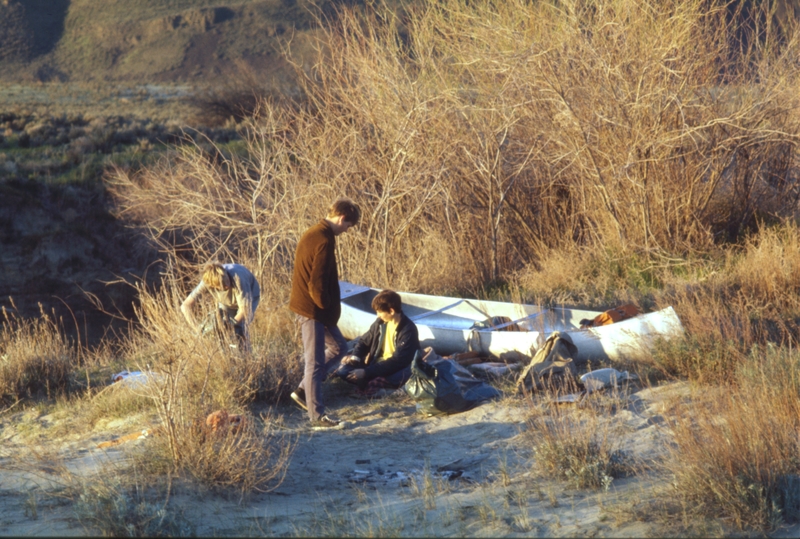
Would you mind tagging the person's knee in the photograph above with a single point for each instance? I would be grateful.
(344, 371)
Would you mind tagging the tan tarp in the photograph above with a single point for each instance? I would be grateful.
(551, 364)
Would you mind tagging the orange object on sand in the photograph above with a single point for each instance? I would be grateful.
(129, 437)
(220, 420)
(217, 422)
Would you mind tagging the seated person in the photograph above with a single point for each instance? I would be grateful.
(387, 349)
(236, 292)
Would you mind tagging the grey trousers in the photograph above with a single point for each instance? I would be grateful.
(323, 347)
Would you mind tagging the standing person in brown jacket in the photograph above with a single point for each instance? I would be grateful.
(316, 301)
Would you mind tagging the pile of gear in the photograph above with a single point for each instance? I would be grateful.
(449, 385)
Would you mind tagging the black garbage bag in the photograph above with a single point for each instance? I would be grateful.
(441, 386)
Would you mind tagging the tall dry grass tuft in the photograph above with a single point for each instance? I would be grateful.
(189, 377)
(36, 358)
(736, 453)
(577, 447)
(744, 297)
(478, 136)
(115, 505)
(768, 270)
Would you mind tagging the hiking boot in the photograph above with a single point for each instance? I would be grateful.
(299, 396)
(328, 423)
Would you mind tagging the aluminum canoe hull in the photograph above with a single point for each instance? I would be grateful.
(446, 325)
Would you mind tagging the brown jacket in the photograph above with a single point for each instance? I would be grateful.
(315, 282)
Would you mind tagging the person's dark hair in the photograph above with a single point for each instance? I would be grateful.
(386, 300)
(347, 208)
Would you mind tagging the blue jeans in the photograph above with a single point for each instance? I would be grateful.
(397, 379)
(400, 377)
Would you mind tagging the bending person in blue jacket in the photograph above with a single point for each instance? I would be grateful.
(387, 349)
(237, 294)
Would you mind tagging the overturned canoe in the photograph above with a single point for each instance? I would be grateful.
(452, 325)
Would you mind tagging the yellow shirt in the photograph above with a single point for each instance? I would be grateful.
(388, 342)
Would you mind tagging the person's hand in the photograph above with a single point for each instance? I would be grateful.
(356, 375)
(351, 360)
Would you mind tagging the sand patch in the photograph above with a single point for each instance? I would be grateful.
(393, 472)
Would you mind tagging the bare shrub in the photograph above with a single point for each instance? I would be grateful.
(246, 458)
(240, 96)
(190, 376)
(37, 358)
(631, 125)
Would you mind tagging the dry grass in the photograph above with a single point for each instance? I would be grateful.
(116, 499)
(578, 447)
(735, 453)
(124, 504)
(189, 378)
(729, 299)
(37, 359)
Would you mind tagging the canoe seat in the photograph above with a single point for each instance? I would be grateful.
(504, 323)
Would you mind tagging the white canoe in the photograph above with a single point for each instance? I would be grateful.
(446, 324)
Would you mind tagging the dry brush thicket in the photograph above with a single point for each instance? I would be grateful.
(736, 454)
(476, 138)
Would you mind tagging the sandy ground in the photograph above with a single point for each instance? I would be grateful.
(393, 472)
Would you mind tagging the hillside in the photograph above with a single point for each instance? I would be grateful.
(173, 40)
(152, 40)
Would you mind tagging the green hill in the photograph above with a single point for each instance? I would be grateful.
(152, 40)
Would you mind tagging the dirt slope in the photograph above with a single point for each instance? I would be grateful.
(58, 243)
